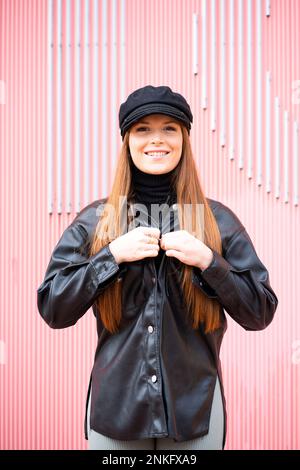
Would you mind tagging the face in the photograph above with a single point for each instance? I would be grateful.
(155, 143)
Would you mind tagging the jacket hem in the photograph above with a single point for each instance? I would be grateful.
(151, 436)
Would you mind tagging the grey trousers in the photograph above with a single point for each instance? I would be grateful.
(211, 441)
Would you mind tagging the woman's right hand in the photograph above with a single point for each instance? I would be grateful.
(135, 245)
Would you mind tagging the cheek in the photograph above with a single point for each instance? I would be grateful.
(177, 145)
(178, 152)
(135, 149)
(176, 161)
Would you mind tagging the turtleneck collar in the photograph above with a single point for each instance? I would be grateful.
(149, 188)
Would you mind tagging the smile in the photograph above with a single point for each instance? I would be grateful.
(156, 154)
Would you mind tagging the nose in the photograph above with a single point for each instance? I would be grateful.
(156, 137)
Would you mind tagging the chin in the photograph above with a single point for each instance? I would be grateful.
(156, 169)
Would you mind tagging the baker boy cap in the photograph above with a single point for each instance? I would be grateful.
(153, 100)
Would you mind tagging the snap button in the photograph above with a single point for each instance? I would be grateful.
(150, 329)
(154, 378)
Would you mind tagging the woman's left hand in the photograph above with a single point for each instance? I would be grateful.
(187, 248)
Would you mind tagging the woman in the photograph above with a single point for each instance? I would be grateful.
(158, 262)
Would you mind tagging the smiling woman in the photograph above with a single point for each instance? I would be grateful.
(159, 291)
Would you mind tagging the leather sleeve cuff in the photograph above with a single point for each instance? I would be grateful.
(104, 264)
(217, 271)
(210, 278)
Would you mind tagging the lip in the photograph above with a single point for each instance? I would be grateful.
(157, 150)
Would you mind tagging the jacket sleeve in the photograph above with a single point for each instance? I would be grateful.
(73, 280)
(239, 281)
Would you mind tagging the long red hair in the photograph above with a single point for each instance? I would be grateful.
(188, 189)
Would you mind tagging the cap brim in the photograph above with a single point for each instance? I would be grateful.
(154, 108)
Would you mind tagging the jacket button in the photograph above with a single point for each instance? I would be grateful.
(154, 378)
(150, 329)
(153, 280)
(201, 284)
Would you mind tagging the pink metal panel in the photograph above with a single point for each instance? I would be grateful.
(44, 373)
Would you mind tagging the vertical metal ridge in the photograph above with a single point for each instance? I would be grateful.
(58, 109)
(67, 105)
(213, 56)
(104, 98)
(249, 91)
(222, 73)
(77, 125)
(86, 105)
(231, 73)
(95, 102)
(286, 155)
(204, 54)
(195, 43)
(296, 162)
(114, 94)
(240, 84)
(277, 147)
(259, 107)
(268, 132)
(49, 106)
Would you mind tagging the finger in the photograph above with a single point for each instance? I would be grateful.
(149, 253)
(175, 254)
(152, 231)
(151, 246)
(172, 237)
(171, 245)
(152, 239)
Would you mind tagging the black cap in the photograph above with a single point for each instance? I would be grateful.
(154, 100)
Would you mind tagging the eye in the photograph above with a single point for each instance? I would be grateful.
(144, 128)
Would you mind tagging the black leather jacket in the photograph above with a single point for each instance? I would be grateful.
(155, 341)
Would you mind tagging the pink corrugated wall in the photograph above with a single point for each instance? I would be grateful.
(50, 148)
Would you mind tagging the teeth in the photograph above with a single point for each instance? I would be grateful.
(154, 154)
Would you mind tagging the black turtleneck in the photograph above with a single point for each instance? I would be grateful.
(153, 189)
(150, 188)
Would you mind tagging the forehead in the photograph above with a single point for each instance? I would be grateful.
(157, 118)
